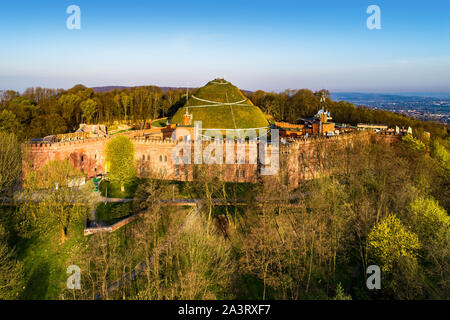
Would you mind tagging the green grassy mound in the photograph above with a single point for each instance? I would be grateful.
(219, 115)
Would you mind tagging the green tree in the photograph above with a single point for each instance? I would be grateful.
(389, 242)
(413, 143)
(10, 161)
(10, 269)
(48, 124)
(432, 224)
(68, 104)
(121, 162)
(89, 108)
(56, 188)
(395, 248)
(429, 219)
(9, 122)
(442, 153)
(340, 294)
(125, 102)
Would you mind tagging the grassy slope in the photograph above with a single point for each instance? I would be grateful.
(248, 116)
(220, 117)
(44, 259)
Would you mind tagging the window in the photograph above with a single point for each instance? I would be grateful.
(160, 158)
(148, 157)
(165, 158)
(82, 158)
(243, 174)
(143, 157)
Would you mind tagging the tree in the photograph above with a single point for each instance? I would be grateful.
(56, 187)
(9, 122)
(396, 249)
(125, 101)
(120, 156)
(196, 264)
(47, 124)
(340, 294)
(89, 108)
(10, 269)
(10, 161)
(413, 143)
(442, 153)
(429, 219)
(432, 224)
(68, 103)
(389, 241)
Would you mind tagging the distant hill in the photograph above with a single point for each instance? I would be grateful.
(111, 88)
(163, 89)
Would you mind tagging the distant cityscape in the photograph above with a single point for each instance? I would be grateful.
(435, 108)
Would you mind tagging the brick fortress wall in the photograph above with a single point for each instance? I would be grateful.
(299, 160)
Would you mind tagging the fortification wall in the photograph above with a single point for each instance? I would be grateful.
(299, 159)
(87, 155)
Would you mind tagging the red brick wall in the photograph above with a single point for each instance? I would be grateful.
(298, 160)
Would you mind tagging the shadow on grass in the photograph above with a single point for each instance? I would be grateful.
(112, 189)
(38, 283)
(111, 213)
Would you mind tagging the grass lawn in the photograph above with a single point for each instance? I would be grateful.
(45, 260)
(112, 212)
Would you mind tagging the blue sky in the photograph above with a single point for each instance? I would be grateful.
(270, 45)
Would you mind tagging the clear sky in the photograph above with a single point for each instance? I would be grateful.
(269, 45)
